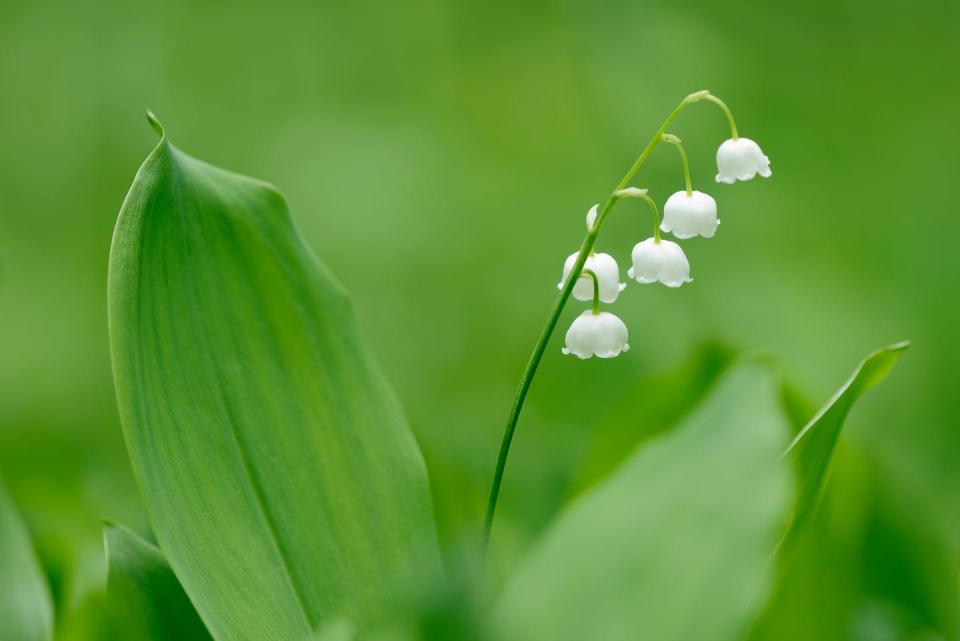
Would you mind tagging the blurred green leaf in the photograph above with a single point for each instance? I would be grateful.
(144, 596)
(797, 406)
(282, 481)
(866, 564)
(336, 630)
(648, 407)
(813, 447)
(676, 544)
(26, 611)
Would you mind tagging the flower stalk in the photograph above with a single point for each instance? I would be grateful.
(595, 220)
(726, 110)
(596, 289)
(633, 192)
(676, 142)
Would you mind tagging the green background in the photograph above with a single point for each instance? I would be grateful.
(440, 157)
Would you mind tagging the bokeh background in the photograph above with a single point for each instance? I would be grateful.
(440, 155)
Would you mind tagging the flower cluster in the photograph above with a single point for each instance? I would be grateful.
(686, 214)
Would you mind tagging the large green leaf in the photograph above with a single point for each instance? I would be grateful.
(677, 543)
(144, 596)
(26, 611)
(813, 446)
(281, 479)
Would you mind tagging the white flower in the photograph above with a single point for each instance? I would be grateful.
(689, 215)
(596, 334)
(662, 261)
(592, 217)
(741, 159)
(608, 276)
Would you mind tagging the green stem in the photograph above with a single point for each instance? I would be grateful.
(554, 316)
(689, 100)
(633, 192)
(676, 142)
(726, 110)
(596, 288)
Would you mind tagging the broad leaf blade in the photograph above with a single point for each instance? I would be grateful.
(26, 610)
(676, 544)
(282, 481)
(813, 447)
(143, 594)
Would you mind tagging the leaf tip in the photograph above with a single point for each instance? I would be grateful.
(899, 346)
(155, 123)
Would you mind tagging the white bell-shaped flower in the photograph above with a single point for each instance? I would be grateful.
(688, 215)
(662, 261)
(741, 159)
(608, 275)
(599, 334)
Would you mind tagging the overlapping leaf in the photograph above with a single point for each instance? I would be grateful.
(144, 596)
(26, 611)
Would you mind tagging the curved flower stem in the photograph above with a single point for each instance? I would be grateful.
(642, 193)
(676, 142)
(596, 288)
(726, 110)
(585, 248)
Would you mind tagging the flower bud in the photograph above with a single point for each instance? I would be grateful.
(662, 261)
(688, 215)
(599, 334)
(592, 217)
(608, 277)
(741, 159)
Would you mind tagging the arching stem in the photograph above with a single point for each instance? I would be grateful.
(596, 288)
(534, 362)
(676, 142)
(633, 192)
(726, 110)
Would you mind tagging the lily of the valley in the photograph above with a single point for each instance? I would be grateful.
(659, 260)
(741, 159)
(608, 276)
(594, 333)
(686, 215)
